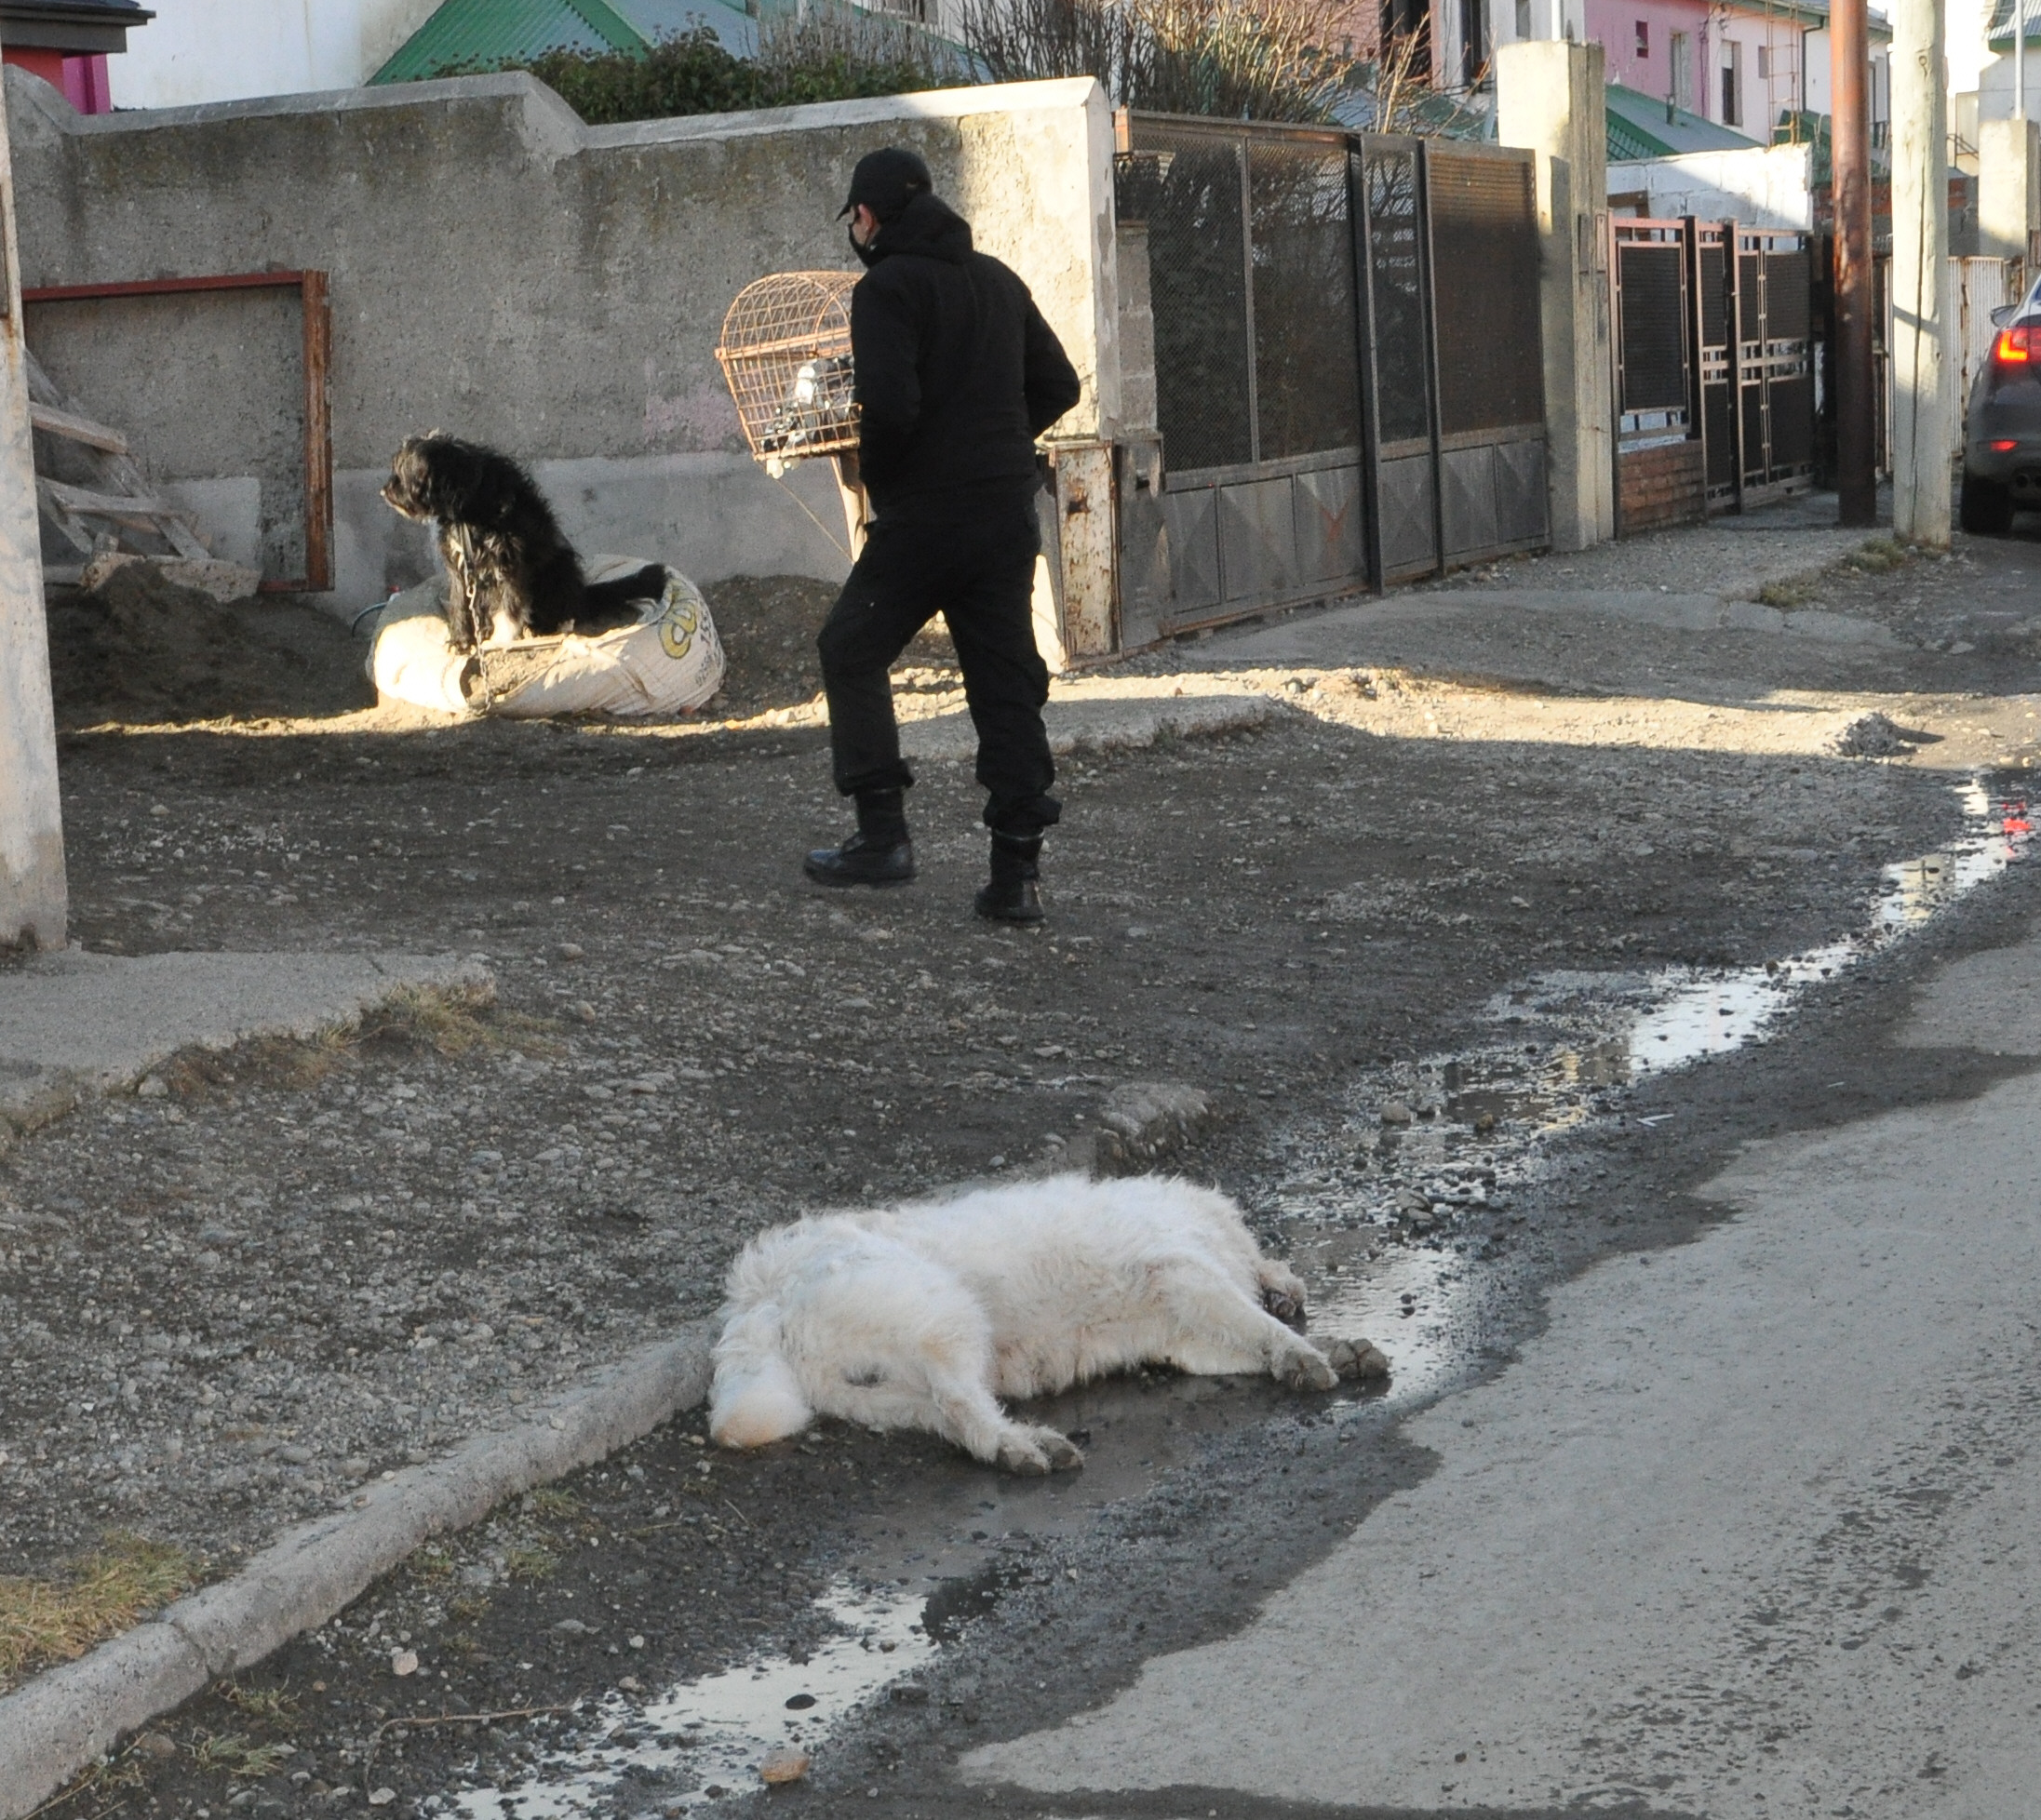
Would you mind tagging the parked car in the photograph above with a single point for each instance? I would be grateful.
(2002, 428)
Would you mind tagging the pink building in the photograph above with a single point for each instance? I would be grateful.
(1741, 64)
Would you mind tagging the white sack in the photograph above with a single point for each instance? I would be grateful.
(669, 662)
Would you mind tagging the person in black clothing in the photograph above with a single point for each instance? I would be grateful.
(956, 375)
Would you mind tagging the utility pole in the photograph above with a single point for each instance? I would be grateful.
(32, 843)
(1923, 420)
(2020, 59)
(1850, 166)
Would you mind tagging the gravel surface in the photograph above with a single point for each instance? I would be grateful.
(301, 1265)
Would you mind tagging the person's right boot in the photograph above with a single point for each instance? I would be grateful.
(879, 853)
(1014, 893)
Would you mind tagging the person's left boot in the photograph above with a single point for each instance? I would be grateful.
(879, 853)
(1014, 893)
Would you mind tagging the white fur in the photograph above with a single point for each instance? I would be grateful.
(924, 1315)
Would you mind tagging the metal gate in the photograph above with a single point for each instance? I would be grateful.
(1708, 419)
(1303, 285)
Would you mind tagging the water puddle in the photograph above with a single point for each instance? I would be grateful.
(1371, 1209)
(706, 1739)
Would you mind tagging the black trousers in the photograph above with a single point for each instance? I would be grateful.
(978, 574)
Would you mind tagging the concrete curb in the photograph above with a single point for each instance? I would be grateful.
(65, 1720)
(74, 1025)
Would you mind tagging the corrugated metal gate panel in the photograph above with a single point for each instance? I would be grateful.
(1409, 532)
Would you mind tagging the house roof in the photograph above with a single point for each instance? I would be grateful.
(1998, 34)
(466, 34)
(1809, 15)
(82, 27)
(1640, 127)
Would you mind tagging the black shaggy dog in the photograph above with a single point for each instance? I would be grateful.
(510, 573)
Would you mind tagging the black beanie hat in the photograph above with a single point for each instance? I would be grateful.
(886, 182)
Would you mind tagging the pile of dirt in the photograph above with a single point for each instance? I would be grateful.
(767, 624)
(1878, 736)
(141, 648)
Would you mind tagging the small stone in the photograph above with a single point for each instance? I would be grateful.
(1396, 1112)
(908, 1693)
(574, 1627)
(404, 1662)
(1484, 1123)
(382, 1797)
(155, 1746)
(637, 1642)
(161, 810)
(570, 950)
(789, 1763)
(153, 1087)
(582, 1008)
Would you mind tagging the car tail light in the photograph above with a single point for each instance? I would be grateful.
(2017, 346)
(2005, 445)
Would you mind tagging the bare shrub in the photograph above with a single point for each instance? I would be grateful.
(1252, 60)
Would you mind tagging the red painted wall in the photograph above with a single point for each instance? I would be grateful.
(81, 80)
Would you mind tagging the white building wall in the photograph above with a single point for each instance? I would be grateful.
(196, 51)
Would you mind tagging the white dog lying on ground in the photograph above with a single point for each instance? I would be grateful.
(925, 1315)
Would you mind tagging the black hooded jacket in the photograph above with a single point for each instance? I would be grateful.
(957, 373)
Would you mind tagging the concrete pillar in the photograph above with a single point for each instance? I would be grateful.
(1549, 98)
(32, 840)
(2008, 189)
(1923, 388)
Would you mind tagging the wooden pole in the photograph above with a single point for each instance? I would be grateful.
(1849, 163)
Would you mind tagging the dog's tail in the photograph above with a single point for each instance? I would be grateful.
(605, 605)
(756, 1397)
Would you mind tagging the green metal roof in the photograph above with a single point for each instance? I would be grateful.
(480, 33)
(1641, 128)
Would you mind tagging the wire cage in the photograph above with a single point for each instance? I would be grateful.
(785, 350)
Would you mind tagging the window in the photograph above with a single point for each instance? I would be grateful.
(1680, 48)
(1732, 83)
(1764, 63)
(1643, 37)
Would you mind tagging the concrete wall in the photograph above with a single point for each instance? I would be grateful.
(32, 843)
(1767, 186)
(503, 272)
(1549, 99)
(2008, 187)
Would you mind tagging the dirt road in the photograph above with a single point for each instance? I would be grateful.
(1519, 818)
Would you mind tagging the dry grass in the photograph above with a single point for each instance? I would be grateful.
(50, 1620)
(265, 1705)
(1788, 591)
(555, 1505)
(529, 1564)
(1878, 556)
(232, 1753)
(449, 1020)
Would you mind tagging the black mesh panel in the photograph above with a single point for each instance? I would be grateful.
(1199, 287)
(1485, 242)
(1654, 337)
(1306, 355)
(1399, 295)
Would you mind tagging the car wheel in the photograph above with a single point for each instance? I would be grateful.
(1987, 507)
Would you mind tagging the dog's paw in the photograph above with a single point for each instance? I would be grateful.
(1284, 1305)
(1303, 1367)
(1037, 1450)
(1358, 1362)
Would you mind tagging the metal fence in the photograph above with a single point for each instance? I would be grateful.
(1348, 376)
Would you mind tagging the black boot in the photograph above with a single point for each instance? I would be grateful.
(879, 853)
(1014, 893)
